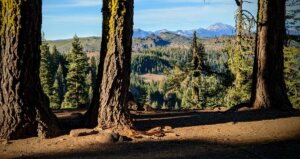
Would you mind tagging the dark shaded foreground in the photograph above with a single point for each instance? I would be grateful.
(188, 149)
(197, 118)
(176, 119)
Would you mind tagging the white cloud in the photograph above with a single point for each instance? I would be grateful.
(76, 3)
(184, 17)
(190, 1)
(79, 19)
(87, 3)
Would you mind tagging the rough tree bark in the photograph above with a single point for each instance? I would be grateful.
(24, 108)
(269, 89)
(109, 108)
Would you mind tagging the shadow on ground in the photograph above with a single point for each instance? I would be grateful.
(145, 121)
(185, 119)
(187, 149)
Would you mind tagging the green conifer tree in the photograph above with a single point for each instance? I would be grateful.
(292, 74)
(61, 81)
(89, 85)
(55, 102)
(45, 70)
(93, 68)
(240, 61)
(76, 95)
(197, 70)
(55, 59)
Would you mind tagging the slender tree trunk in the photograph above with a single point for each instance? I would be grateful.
(109, 107)
(269, 89)
(24, 108)
(195, 94)
(239, 23)
(0, 41)
(195, 68)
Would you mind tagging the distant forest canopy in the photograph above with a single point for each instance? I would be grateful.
(170, 55)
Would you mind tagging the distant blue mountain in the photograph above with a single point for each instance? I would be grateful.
(293, 32)
(139, 33)
(215, 30)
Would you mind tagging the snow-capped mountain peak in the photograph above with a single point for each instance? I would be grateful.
(218, 29)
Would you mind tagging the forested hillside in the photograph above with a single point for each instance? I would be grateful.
(171, 55)
(164, 39)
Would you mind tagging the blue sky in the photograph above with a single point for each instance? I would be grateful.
(64, 18)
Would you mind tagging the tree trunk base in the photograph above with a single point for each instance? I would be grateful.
(44, 125)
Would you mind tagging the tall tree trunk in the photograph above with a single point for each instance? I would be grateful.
(0, 40)
(195, 68)
(269, 89)
(109, 106)
(24, 108)
(239, 23)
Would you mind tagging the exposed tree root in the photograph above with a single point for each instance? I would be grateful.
(240, 107)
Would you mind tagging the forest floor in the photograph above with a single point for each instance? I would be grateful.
(208, 134)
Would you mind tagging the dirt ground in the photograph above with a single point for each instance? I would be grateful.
(198, 134)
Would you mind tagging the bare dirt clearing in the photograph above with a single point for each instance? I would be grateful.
(198, 134)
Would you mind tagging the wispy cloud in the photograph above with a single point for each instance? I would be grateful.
(79, 19)
(75, 3)
(183, 17)
(188, 1)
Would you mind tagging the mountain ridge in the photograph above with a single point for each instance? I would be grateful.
(214, 30)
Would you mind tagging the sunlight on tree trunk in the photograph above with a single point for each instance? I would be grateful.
(269, 89)
(109, 107)
(24, 108)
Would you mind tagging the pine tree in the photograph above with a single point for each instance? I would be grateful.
(89, 85)
(55, 60)
(197, 70)
(55, 102)
(292, 74)
(61, 81)
(45, 70)
(240, 61)
(57, 89)
(93, 68)
(76, 95)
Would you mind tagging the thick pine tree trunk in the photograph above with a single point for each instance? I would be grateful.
(109, 108)
(24, 108)
(269, 89)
